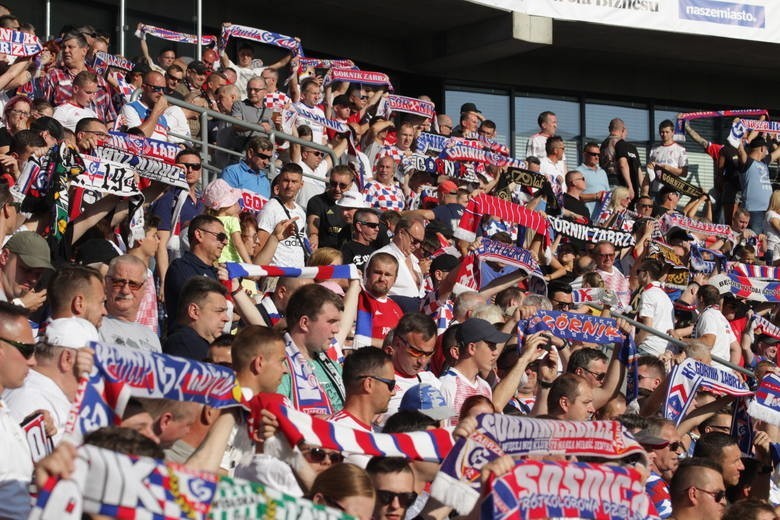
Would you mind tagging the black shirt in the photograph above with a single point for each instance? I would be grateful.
(185, 342)
(576, 206)
(356, 253)
(449, 215)
(330, 219)
(181, 270)
(630, 153)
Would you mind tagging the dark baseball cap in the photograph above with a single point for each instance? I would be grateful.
(477, 329)
(469, 107)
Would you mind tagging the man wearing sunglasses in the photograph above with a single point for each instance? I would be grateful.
(393, 480)
(478, 343)
(663, 458)
(148, 112)
(17, 356)
(409, 236)
(697, 490)
(324, 220)
(365, 230)
(251, 172)
(125, 285)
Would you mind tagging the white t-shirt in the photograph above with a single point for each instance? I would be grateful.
(405, 284)
(655, 304)
(69, 115)
(39, 392)
(131, 335)
(712, 321)
(456, 388)
(668, 155)
(16, 467)
(554, 171)
(244, 74)
(177, 124)
(133, 120)
(289, 252)
(312, 187)
(772, 235)
(317, 129)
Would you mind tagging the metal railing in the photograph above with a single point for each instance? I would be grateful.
(205, 147)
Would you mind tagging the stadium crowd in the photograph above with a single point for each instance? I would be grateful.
(387, 271)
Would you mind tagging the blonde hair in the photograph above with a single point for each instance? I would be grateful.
(618, 193)
(774, 201)
(325, 256)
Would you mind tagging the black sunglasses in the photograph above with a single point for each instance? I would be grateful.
(389, 382)
(386, 497)
(221, 237)
(317, 455)
(718, 496)
(340, 185)
(372, 225)
(27, 350)
(154, 88)
(598, 376)
(191, 166)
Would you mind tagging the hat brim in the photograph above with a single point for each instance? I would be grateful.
(35, 262)
(440, 413)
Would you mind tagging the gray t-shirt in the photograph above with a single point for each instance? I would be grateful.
(126, 334)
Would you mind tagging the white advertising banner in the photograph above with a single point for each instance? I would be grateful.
(757, 20)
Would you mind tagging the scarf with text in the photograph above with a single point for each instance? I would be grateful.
(482, 143)
(318, 63)
(770, 127)
(293, 112)
(299, 427)
(120, 373)
(544, 489)
(679, 126)
(147, 166)
(690, 375)
(364, 77)
(764, 272)
(765, 405)
(750, 289)
(104, 60)
(588, 329)
(320, 272)
(104, 176)
(464, 152)
(505, 210)
(252, 201)
(18, 43)
(261, 36)
(458, 482)
(670, 221)
(145, 146)
(173, 36)
(430, 143)
(435, 165)
(760, 325)
(469, 274)
(395, 103)
(678, 183)
(105, 482)
(591, 234)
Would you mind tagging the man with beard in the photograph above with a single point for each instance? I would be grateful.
(377, 314)
(286, 185)
(324, 220)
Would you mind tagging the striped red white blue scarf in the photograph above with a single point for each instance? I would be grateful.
(765, 405)
(765, 272)
(320, 272)
(174, 36)
(395, 103)
(502, 209)
(298, 427)
(760, 325)
(748, 288)
(104, 60)
(679, 126)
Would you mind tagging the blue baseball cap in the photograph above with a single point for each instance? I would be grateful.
(428, 400)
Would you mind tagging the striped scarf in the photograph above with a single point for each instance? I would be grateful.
(502, 209)
(760, 325)
(763, 272)
(173, 36)
(104, 60)
(750, 289)
(298, 427)
(320, 272)
(18, 43)
(765, 405)
(395, 103)
(679, 126)
(261, 36)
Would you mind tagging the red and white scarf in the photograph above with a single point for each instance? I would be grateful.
(503, 209)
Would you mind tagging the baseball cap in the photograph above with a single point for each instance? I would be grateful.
(31, 248)
(469, 107)
(768, 340)
(198, 66)
(219, 194)
(352, 199)
(757, 142)
(70, 332)
(428, 400)
(448, 187)
(476, 329)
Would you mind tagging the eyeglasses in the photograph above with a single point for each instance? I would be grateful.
(101, 135)
(598, 376)
(264, 156)
(316, 153)
(192, 166)
(154, 88)
(19, 113)
(221, 237)
(173, 79)
(645, 205)
(676, 446)
(363, 97)
(593, 154)
(340, 185)
(606, 255)
(414, 351)
(718, 496)
(317, 455)
(27, 350)
(249, 89)
(562, 305)
(389, 382)
(386, 497)
(372, 225)
(415, 241)
(118, 283)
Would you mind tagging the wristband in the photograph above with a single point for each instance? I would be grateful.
(545, 384)
(233, 293)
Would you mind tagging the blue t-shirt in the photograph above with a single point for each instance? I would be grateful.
(243, 177)
(163, 209)
(756, 185)
(595, 181)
